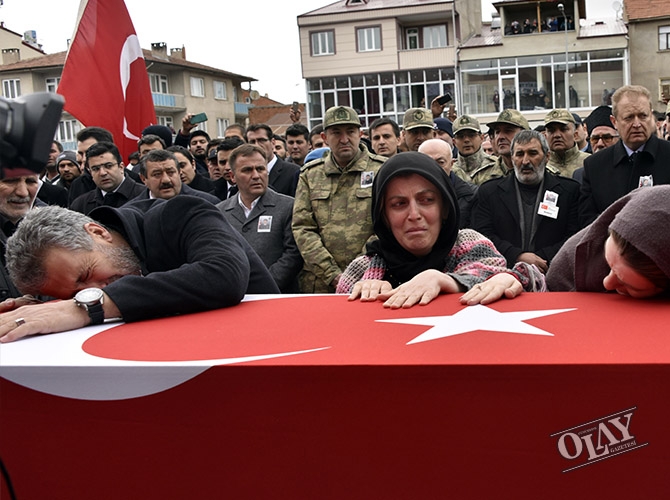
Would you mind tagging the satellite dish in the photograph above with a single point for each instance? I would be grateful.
(254, 95)
(616, 5)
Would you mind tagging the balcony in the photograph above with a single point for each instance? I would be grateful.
(168, 102)
(242, 108)
(426, 58)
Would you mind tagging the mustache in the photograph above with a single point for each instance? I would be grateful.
(18, 199)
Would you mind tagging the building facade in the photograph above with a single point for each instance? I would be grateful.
(382, 57)
(178, 86)
(649, 30)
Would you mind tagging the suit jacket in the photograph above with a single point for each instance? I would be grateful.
(128, 190)
(191, 259)
(284, 177)
(221, 189)
(496, 216)
(53, 194)
(609, 174)
(184, 190)
(276, 246)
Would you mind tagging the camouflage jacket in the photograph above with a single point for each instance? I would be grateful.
(566, 166)
(476, 168)
(332, 216)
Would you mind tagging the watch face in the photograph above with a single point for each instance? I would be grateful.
(89, 295)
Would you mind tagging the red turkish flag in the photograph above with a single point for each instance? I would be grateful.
(105, 81)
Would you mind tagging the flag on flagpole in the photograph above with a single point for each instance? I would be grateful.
(105, 81)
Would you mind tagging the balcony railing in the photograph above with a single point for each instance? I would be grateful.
(241, 108)
(168, 100)
(426, 58)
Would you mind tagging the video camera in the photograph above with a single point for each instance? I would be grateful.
(27, 129)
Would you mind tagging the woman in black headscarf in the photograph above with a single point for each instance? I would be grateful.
(420, 252)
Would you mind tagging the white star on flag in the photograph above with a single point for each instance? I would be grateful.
(473, 318)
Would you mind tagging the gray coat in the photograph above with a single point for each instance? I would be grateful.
(274, 244)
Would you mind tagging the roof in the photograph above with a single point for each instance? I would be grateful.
(58, 60)
(646, 9)
(37, 48)
(487, 38)
(591, 28)
(348, 6)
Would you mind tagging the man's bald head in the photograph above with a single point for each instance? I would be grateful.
(438, 150)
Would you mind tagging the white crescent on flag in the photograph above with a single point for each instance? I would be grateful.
(130, 52)
(98, 378)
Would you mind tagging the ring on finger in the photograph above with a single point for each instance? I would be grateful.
(19, 322)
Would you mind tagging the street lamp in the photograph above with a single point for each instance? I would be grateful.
(567, 73)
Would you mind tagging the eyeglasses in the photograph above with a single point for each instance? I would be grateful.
(605, 138)
(107, 166)
(259, 140)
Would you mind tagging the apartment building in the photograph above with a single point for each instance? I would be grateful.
(178, 86)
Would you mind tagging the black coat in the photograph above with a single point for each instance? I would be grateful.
(128, 190)
(609, 174)
(191, 259)
(496, 215)
(284, 177)
(53, 194)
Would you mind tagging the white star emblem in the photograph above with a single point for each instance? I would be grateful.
(473, 318)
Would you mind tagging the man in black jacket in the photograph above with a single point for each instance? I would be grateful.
(283, 176)
(148, 260)
(113, 186)
(639, 159)
(530, 214)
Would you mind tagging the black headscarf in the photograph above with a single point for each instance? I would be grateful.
(401, 264)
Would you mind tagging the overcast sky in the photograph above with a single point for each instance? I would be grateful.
(256, 38)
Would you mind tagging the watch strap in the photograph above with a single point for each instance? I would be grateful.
(96, 313)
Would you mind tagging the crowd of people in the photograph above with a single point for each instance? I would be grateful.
(397, 213)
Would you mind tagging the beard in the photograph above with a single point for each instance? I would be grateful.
(122, 259)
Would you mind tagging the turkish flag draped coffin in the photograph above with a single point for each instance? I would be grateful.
(105, 81)
(545, 396)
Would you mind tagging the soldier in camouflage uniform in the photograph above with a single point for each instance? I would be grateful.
(502, 131)
(332, 213)
(564, 156)
(472, 164)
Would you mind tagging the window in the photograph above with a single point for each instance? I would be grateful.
(220, 90)
(166, 120)
(665, 88)
(235, 94)
(434, 36)
(52, 84)
(197, 87)
(664, 38)
(369, 39)
(67, 131)
(221, 126)
(323, 43)
(413, 38)
(11, 89)
(159, 83)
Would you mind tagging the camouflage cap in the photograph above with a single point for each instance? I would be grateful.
(341, 115)
(511, 117)
(559, 116)
(417, 118)
(466, 122)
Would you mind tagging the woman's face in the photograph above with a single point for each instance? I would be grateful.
(413, 209)
(623, 278)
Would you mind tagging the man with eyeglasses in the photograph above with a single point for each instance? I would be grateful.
(638, 159)
(602, 133)
(113, 187)
(283, 176)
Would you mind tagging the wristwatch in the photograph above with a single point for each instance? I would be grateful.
(91, 300)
